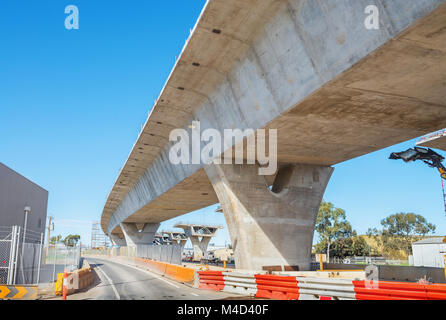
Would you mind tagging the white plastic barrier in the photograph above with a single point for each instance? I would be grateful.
(319, 288)
(240, 283)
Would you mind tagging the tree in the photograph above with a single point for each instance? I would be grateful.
(332, 227)
(400, 230)
(71, 240)
(56, 239)
(359, 247)
(352, 245)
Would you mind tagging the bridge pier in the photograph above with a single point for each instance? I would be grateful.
(133, 236)
(117, 240)
(270, 227)
(178, 238)
(200, 236)
(200, 246)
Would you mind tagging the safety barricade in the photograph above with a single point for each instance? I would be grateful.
(387, 290)
(76, 280)
(277, 287)
(171, 271)
(211, 280)
(436, 291)
(325, 289)
(243, 283)
(307, 288)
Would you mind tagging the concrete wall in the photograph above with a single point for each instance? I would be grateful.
(394, 273)
(16, 192)
(412, 274)
(169, 254)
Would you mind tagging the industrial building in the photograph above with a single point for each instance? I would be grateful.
(16, 193)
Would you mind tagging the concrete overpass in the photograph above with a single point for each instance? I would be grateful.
(333, 89)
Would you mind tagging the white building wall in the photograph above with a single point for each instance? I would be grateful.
(429, 255)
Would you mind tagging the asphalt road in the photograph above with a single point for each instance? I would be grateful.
(116, 281)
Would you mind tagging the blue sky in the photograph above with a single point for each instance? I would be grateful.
(72, 103)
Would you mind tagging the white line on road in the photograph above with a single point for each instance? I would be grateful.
(111, 283)
(156, 276)
(194, 294)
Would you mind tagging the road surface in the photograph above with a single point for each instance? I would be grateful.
(118, 281)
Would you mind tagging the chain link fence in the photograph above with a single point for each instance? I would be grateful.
(164, 253)
(98, 252)
(6, 239)
(24, 260)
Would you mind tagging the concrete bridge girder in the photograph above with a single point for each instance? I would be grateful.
(270, 227)
(133, 236)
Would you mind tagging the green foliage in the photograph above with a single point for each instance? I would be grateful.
(71, 240)
(331, 223)
(400, 230)
(359, 247)
(336, 235)
(56, 239)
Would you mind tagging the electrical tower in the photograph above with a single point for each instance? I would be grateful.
(98, 238)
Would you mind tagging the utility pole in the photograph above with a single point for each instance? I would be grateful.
(50, 228)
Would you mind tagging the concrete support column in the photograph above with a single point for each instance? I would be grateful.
(181, 242)
(270, 227)
(133, 236)
(200, 246)
(117, 240)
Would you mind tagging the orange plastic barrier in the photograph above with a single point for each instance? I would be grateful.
(386, 290)
(177, 273)
(211, 280)
(277, 287)
(155, 266)
(180, 274)
(436, 291)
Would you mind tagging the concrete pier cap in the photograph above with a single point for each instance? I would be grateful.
(177, 237)
(200, 235)
(134, 236)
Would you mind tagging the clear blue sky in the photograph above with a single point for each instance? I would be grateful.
(72, 103)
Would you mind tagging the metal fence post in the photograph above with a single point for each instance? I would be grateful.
(79, 255)
(11, 256)
(17, 243)
(65, 261)
(54, 262)
(40, 258)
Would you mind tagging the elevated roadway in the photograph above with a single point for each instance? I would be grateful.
(333, 89)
